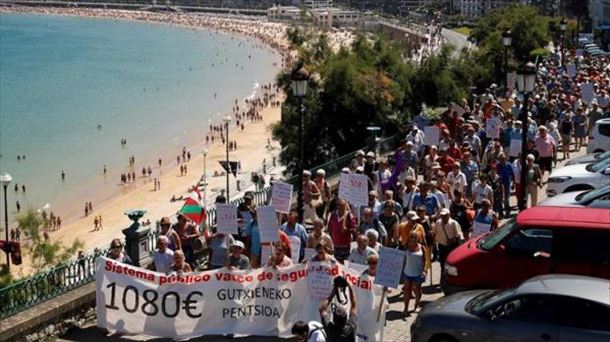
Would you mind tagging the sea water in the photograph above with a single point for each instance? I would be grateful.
(72, 88)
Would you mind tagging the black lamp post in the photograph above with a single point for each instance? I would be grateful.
(507, 38)
(299, 78)
(6, 179)
(526, 81)
(563, 25)
(227, 120)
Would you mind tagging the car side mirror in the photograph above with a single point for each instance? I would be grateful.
(492, 315)
(607, 171)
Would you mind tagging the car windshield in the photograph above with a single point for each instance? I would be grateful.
(490, 241)
(591, 195)
(603, 156)
(600, 165)
(482, 302)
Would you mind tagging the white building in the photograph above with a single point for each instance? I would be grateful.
(312, 4)
(599, 11)
(476, 8)
(326, 18)
(284, 13)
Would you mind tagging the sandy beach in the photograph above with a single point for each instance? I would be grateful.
(251, 140)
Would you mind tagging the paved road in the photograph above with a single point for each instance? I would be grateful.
(396, 330)
(456, 39)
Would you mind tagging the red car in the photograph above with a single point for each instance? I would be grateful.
(540, 240)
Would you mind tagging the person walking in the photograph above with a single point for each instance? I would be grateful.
(414, 272)
(446, 233)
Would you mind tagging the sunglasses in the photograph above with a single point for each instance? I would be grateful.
(116, 246)
(372, 262)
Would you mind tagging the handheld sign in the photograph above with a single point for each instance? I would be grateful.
(389, 267)
(295, 248)
(515, 147)
(281, 195)
(571, 70)
(492, 128)
(319, 282)
(267, 223)
(344, 187)
(431, 135)
(480, 228)
(226, 218)
(586, 90)
(510, 79)
(265, 254)
(358, 190)
(309, 253)
(459, 110)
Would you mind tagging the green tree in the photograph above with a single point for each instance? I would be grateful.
(43, 252)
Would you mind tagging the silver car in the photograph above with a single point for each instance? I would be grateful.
(554, 307)
(589, 158)
(595, 198)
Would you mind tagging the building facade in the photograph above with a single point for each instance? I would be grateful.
(599, 12)
(477, 8)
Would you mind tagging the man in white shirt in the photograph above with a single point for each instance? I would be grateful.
(163, 257)
(457, 179)
(359, 254)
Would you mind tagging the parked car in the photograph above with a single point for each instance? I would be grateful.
(540, 240)
(578, 177)
(599, 137)
(558, 307)
(596, 198)
(589, 158)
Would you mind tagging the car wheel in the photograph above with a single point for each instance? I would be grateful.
(578, 187)
(599, 151)
(443, 338)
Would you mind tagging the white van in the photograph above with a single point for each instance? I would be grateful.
(599, 138)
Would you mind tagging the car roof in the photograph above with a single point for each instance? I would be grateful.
(589, 288)
(562, 216)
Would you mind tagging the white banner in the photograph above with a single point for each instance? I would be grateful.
(226, 218)
(263, 302)
(281, 195)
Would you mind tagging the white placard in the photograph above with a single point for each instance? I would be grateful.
(266, 251)
(571, 69)
(310, 253)
(510, 79)
(459, 110)
(136, 301)
(431, 135)
(267, 223)
(344, 186)
(281, 196)
(319, 281)
(479, 228)
(492, 128)
(389, 267)
(358, 190)
(579, 52)
(226, 218)
(515, 147)
(295, 248)
(359, 268)
(586, 90)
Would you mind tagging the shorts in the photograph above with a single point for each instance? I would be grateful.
(418, 279)
(546, 163)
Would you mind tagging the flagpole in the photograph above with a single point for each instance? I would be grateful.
(227, 119)
(205, 178)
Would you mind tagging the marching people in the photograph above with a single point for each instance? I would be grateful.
(116, 252)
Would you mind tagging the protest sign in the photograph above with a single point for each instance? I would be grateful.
(431, 135)
(479, 228)
(263, 302)
(492, 128)
(571, 70)
(586, 90)
(459, 110)
(226, 218)
(267, 223)
(295, 247)
(266, 252)
(344, 186)
(310, 253)
(281, 196)
(579, 52)
(515, 147)
(358, 190)
(359, 268)
(319, 281)
(389, 267)
(510, 79)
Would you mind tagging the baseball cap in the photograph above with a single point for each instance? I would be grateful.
(444, 211)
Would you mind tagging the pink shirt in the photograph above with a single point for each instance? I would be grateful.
(545, 146)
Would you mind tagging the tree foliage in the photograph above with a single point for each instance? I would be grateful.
(43, 252)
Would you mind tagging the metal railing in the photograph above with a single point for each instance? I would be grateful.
(58, 280)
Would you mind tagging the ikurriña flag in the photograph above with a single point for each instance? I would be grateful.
(193, 207)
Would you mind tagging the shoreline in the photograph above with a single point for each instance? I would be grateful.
(251, 140)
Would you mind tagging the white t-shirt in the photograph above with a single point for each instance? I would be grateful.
(163, 261)
(481, 192)
(316, 332)
(457, 182)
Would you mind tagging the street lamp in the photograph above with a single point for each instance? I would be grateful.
(205, 177)
(227, 120)
(299, 78)
(526, 81)
(563, 25)
(507, 38)
(373, 130)
(6, 179)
